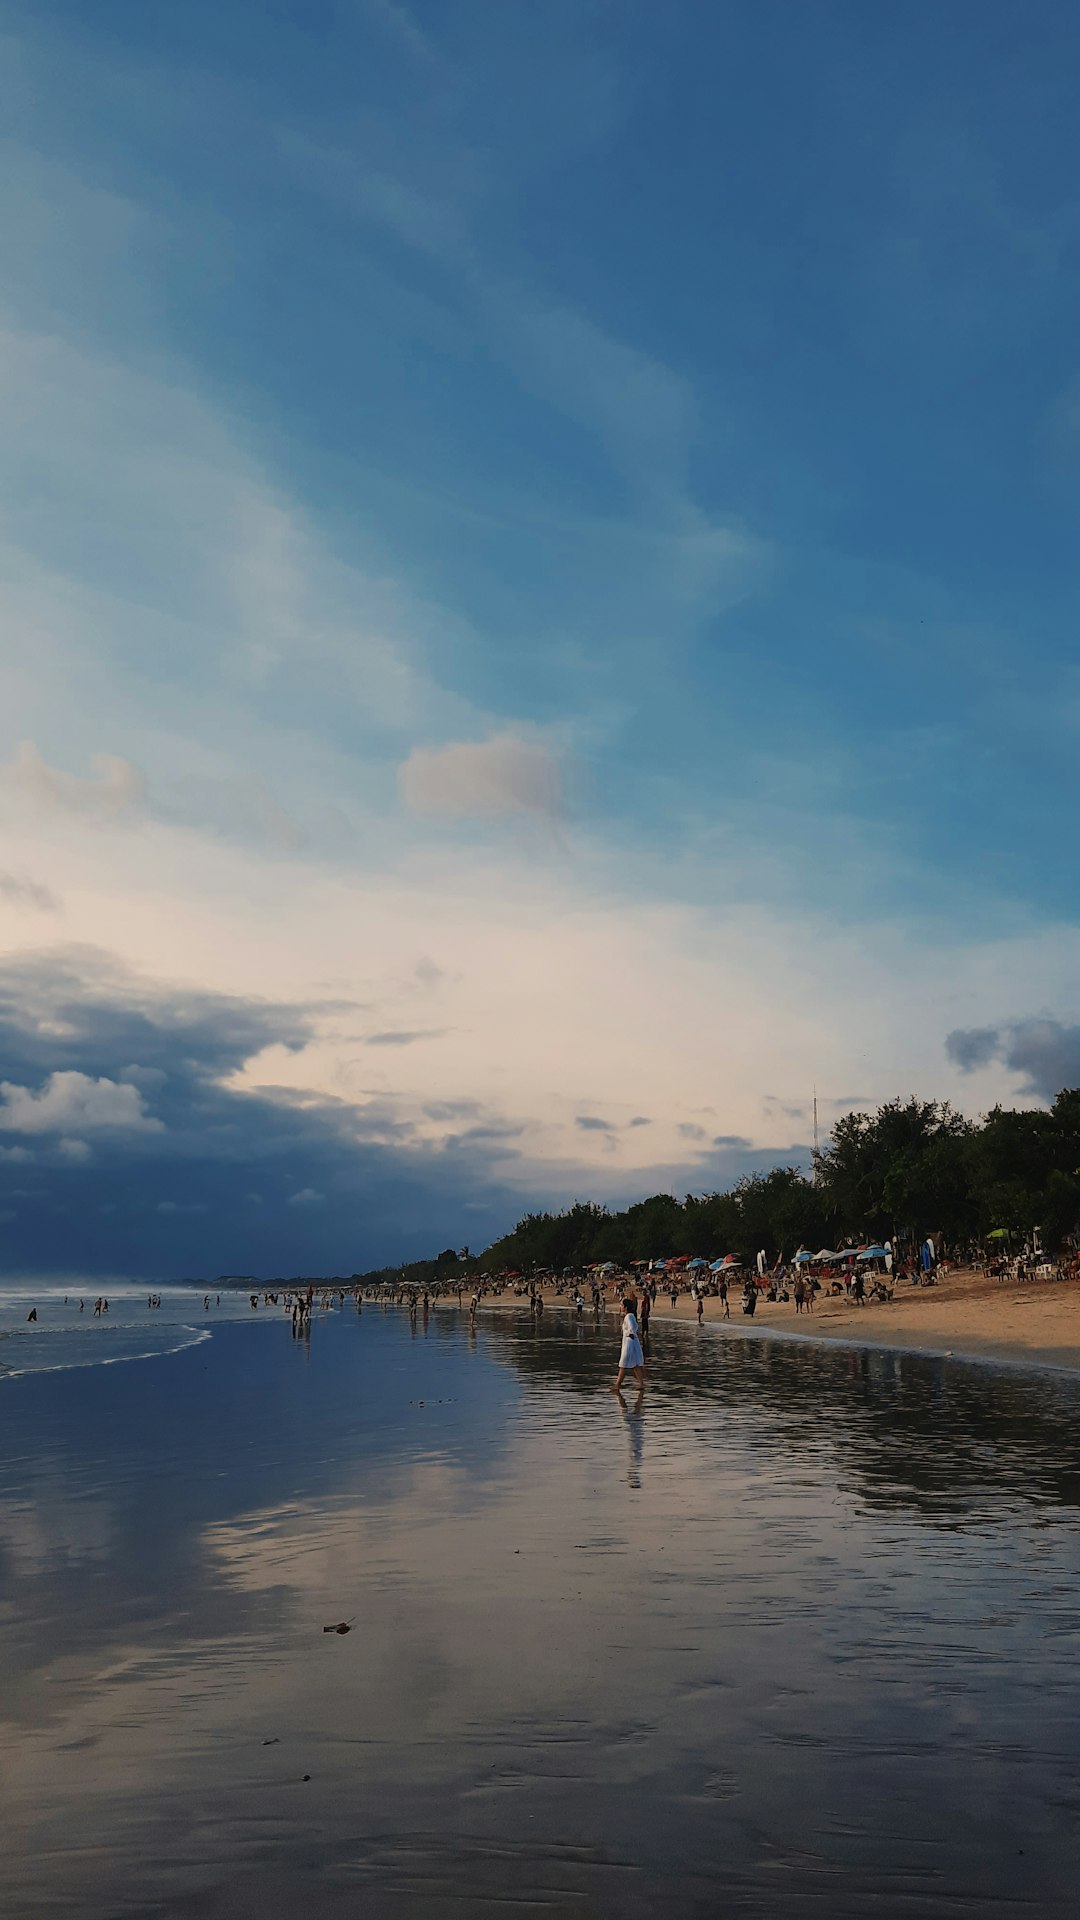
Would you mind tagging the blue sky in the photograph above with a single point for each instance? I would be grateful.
(537, 555)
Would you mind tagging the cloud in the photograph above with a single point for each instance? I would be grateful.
(74, 1149)
(689, 1130)
(344, 1185)
(972, 1047)
(406, 1037)
(73, 1099)
(640, 1120)
(405, 30)
(483, 779)
(1044, 1054)
(118, 790)
(451, 1109)
(22, 892)
(734, 1140)
(591, 1123)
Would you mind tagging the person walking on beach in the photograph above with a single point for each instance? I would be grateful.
(722, 1291)
(700, 1309)
(631, 1359)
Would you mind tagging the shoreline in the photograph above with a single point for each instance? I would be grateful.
(1034, 1324)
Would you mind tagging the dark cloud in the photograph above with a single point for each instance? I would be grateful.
(591, 1123)
(730, 1140)
(1044, 1054)
(640, 1120)
(341, 1187)
(971, 1047)
(689, 1130)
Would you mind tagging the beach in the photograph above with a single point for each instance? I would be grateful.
(965, 1314)
(794, 1630)
(1033, 1322)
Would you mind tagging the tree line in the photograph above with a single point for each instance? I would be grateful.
(912, 1168)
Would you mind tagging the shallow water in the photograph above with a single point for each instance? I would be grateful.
(797, 1637)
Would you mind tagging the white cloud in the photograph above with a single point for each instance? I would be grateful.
(117, 790)
(74, 1101)
(483, 779)
(74, 1149)
(307, 1197)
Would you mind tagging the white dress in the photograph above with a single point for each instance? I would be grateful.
(631, 1355)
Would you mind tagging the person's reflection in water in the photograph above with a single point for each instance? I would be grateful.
(634, 1422)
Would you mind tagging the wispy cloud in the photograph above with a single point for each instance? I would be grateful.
(115, 791)
(404, 1037)
(484, 779)
(19, 891)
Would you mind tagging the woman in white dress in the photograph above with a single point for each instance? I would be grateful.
(631, 1359)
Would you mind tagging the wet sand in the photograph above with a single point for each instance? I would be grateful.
(966, 1315)
(794, 1635)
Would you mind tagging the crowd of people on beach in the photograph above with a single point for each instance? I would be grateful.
(799, 1283)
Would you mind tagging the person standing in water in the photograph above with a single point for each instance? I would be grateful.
(631, 1359)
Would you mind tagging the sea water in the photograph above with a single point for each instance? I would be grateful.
(795, 1635)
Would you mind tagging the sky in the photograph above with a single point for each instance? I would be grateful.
(538, 599)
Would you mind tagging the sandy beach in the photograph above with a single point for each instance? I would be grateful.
(1036, 1323)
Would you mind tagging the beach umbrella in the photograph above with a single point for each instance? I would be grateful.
(730, 1260)
(659, 1265)
(872, 1253)
(824, 1254)
(699, 1263)
(802, 1256)
(716, 1266)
